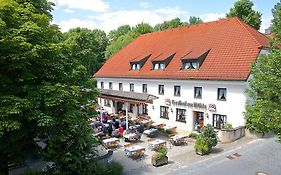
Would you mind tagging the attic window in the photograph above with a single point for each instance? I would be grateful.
(190, 65)
(138, 62)
(158, 66)
(135, 66)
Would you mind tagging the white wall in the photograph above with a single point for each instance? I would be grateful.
(233, 107)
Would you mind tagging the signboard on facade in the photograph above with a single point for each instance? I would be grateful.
(189, 105)
(168, 102)
(212, 107)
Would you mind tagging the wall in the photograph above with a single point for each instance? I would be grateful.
(230, 135)
(233, 107)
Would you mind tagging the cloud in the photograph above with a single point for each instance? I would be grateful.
(93, 5)
(145, 5)
(266, 22)
(68, 11)
(74, 22)
(212, 16)
(111, 20)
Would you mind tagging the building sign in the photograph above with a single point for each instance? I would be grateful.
(168, 102)
(212, 108)
(189, 105)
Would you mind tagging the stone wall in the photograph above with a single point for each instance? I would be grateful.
(230, 135)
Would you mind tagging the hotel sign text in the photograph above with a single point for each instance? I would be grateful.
(189, 105)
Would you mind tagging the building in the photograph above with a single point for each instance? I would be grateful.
(185, 77)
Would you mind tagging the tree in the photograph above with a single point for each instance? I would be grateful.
(124, 40)
(173, 23)
(122, 30)
(44, 92)
(88, 47)
(194, 20)
(244, 10)
(263, 114)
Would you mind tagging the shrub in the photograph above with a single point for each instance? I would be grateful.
(228, 126)
(206, 140)
(113, 168)
(160, 153)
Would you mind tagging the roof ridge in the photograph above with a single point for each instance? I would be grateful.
(242, 23)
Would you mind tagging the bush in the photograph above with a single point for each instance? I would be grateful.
(206, 140)
(160, 153)
(228, 126)
(113, 168)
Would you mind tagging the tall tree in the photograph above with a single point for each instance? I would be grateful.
(194, 20)
(244, 10)
(44, 92)
(88, 47)
(264, 113)
(123, 40)
(122, 30)
(173, 23)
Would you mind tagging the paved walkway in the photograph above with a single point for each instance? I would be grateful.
(179, 156)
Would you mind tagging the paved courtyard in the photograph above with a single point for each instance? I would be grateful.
(179, 156)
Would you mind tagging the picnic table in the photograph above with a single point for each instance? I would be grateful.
(150, 132)
(178, 139)
(131, 136)
(135, 151)
(157, 144)
(111, 142)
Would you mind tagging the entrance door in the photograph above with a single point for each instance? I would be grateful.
(198, 120)
(119, 106)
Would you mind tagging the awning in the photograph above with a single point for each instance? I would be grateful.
(124, 96)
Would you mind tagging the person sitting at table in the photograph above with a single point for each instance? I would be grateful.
(121, 130)
(110, 129)
(115, 123)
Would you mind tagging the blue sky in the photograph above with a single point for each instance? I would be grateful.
(110, 14)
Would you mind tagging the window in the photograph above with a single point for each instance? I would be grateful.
(159, 66)
(181, 115)
(222, 94)
(177, 91)
(131, 108)
(164, 112)
(161, 89)
(120, 86)
(106, 102)
(144, 109)
(101, 85)
(144, 88)
(132, 87)
(190, 65)
(219, 121)
(197, 92)
(135, 66)
(110, 85)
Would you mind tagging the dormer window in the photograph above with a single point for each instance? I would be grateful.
(190, 65)
(158, 66)
(135, 66)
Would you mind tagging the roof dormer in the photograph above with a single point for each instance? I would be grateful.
(138, 62)
(194, 59)
(161, 61)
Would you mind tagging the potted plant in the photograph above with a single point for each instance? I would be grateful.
(206, 140)
(160, 157)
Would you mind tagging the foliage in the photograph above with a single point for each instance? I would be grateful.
(160, 153)
(122, 30)
(228, 126)
(42, 92)
(207, 139)
(264, 114)
(173, 23)
(113, 168)
(194, 20)
(124, 40)
(193, 135)
(88, 47)
(276, 24)
(244, 10)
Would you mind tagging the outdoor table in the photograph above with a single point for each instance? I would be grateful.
(111, 142)
(134, 151)
(131, 136)
(157, 125)
(178, 139)
(156, 144)
(150, 131)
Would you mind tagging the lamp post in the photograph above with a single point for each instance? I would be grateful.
(127, 122)
(101, 109)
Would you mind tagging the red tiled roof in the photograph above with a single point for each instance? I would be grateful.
(233, 46)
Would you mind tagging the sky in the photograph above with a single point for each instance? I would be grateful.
(110, 14)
